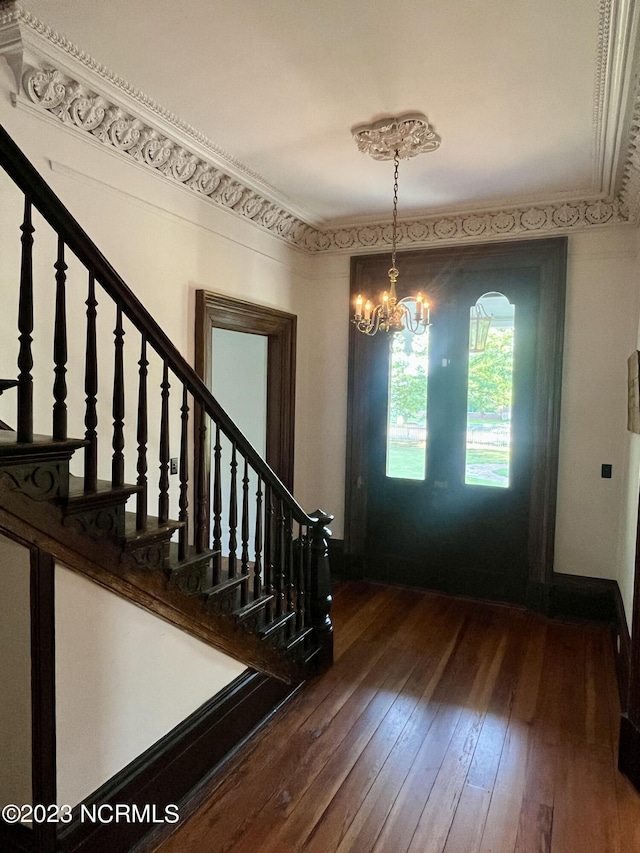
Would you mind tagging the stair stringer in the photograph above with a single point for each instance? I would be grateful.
(105, 562)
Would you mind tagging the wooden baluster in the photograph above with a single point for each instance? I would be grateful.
(257, 566)
(306, 549)
(183, 536)
(244, 592)
(117, 462)
(142, 437)
(289, 566)
(217, 509)
(25, 328)
(91, 392)
(60, 348)
(279, 576)
(202, 497)
(269, 546)
(300, 580)
(233, 513)
(163, 497)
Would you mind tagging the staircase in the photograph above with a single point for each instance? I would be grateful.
(247, 571)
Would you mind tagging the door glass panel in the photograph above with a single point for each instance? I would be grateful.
(489, 392)
(407, 411)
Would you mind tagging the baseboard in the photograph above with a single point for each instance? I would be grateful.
(169, 771)
(629, 751)
(578, 597)
(622, 650)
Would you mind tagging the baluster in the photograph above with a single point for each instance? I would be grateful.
(269, 545)
(244, 592)
(25, 327)
(280, 558)
(300, 587)
(202, 498)
(142, 437)
(307, 575)
(233, 513)
(257, 566)
(117, 463)
(183, 536)
(60, 348)
(217, 509)
(288, 565)
(163, 497)
(91, 392)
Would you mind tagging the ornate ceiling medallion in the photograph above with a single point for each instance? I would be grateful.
(405, 135)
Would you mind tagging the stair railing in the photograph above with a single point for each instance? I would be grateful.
(257, 527)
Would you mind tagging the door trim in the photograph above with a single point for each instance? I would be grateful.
(429, 269)
(216, 311)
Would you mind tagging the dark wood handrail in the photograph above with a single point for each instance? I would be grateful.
(42, 197)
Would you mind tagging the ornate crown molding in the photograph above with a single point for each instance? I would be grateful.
(56, 79)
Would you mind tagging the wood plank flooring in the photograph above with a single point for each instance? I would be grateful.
(445, 726)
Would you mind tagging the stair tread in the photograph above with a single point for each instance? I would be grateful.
(104, 492)
(298, 637)
(224, 586)
(249, 609)
(9, 444)
(192, 556)
(152, 530)
(276, 623)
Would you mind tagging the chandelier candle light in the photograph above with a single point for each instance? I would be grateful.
(394, 139)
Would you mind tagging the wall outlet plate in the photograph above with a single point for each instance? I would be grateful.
(173, 465)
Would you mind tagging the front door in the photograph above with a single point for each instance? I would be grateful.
(455, 431)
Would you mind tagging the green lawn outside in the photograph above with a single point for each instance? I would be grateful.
(406, 461)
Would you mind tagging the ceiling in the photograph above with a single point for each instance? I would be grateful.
(530, 99)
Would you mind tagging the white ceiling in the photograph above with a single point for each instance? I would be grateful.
(516, 89)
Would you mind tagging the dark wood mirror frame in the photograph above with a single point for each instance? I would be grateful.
(215, 311)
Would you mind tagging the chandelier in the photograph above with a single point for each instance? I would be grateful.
(394, 138)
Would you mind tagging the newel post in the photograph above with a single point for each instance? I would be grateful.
(320, 586)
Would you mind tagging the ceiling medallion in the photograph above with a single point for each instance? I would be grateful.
(407, 135)
(394, 139)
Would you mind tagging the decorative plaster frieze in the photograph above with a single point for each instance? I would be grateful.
(125, 120)
(630, 191)
(75, 105)
(509, 222)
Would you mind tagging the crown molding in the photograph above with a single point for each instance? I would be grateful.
(56, 79)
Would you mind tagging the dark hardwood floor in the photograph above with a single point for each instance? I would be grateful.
(444, 725)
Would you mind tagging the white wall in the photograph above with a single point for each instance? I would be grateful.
(124, 678)
(628, 517)
(601, 331)
(15, 674)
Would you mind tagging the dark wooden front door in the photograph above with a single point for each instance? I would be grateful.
(430, 503)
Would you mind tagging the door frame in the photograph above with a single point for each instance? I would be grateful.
(429, 270)
(217, 311)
